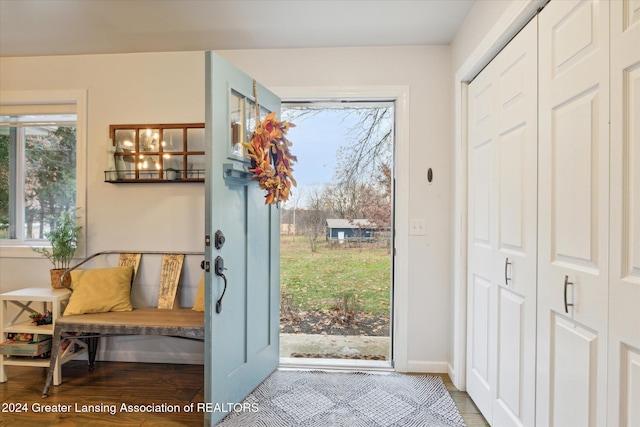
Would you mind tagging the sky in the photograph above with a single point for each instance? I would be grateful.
(316, 140)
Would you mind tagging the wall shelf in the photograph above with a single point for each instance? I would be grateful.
(128, 177)
(154, 153)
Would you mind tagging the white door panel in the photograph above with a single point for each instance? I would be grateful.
(574, 183)
(515, 263)
(575, 351)
(481, 314)
(573, 213)
(624, 277)
(513, 168)
(481, 246)
(509, 388)
(502, 234)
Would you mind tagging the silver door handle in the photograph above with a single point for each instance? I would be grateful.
(566, 304)
(506, 265)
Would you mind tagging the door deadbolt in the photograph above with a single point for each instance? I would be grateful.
(218, 239)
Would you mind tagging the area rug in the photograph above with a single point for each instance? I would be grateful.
(316, 399)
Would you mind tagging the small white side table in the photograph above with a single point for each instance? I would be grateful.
(51, 299)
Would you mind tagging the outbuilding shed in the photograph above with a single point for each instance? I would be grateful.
(343, 229)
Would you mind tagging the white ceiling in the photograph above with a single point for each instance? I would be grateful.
(62, 27)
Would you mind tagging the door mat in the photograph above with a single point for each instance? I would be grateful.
(315, 398)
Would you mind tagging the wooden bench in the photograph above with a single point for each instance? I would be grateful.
(165, 320)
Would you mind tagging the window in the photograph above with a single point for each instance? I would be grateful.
(38, 160)
(41, 173)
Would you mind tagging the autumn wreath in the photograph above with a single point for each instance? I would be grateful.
(271, 159)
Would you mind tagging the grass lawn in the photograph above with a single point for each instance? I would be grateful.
(349, 278)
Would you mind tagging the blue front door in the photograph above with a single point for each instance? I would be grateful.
(242, 322)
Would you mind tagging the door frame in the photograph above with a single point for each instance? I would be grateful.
(399, 94)
(517, 14)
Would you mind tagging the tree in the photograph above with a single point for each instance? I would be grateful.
(362, 184)
(371, 139)
(313, 220)
(51, 177)
(376, 204)
(343, 200)
(370, 148)
(375, 199)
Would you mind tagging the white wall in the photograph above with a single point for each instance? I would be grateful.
(166, 88)
(478, 23)
(425, 70)
(140, 88)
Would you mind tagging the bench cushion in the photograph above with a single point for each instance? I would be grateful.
(100, 290)
(198, 304)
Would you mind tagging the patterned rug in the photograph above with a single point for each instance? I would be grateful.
(319, 399)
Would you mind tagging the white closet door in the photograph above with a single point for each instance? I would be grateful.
(482, 244)
(515, 263)
(624, 283)
(502, 234)
(573, 213)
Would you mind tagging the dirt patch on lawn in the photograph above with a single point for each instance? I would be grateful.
(333, 322)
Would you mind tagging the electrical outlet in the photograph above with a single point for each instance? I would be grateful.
(418, 227)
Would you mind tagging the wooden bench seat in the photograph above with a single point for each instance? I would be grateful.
(179, 322)
(88, 328)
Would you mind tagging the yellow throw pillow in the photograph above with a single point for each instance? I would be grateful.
(198, 304)
(100, 290)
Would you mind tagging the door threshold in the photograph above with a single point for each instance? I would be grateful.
(335, 364)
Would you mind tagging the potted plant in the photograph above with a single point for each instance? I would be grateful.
(64, 241)
(170, 174)
(41, 319)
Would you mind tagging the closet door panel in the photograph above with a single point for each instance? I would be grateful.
(515, 261)
(513, 169)
(575, 359)
(573, 213)
(511, 326)
(502, 234)
(481, 315)
(624, 287)
(575, 222)
(482, 245)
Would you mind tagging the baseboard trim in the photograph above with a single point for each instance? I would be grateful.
(427, 367)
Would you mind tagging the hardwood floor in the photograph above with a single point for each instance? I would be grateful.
(469, 411)
(109, 384)
(113, 384)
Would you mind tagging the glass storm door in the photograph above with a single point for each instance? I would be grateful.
(242, 284)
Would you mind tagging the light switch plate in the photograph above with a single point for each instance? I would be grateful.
(418, 227)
